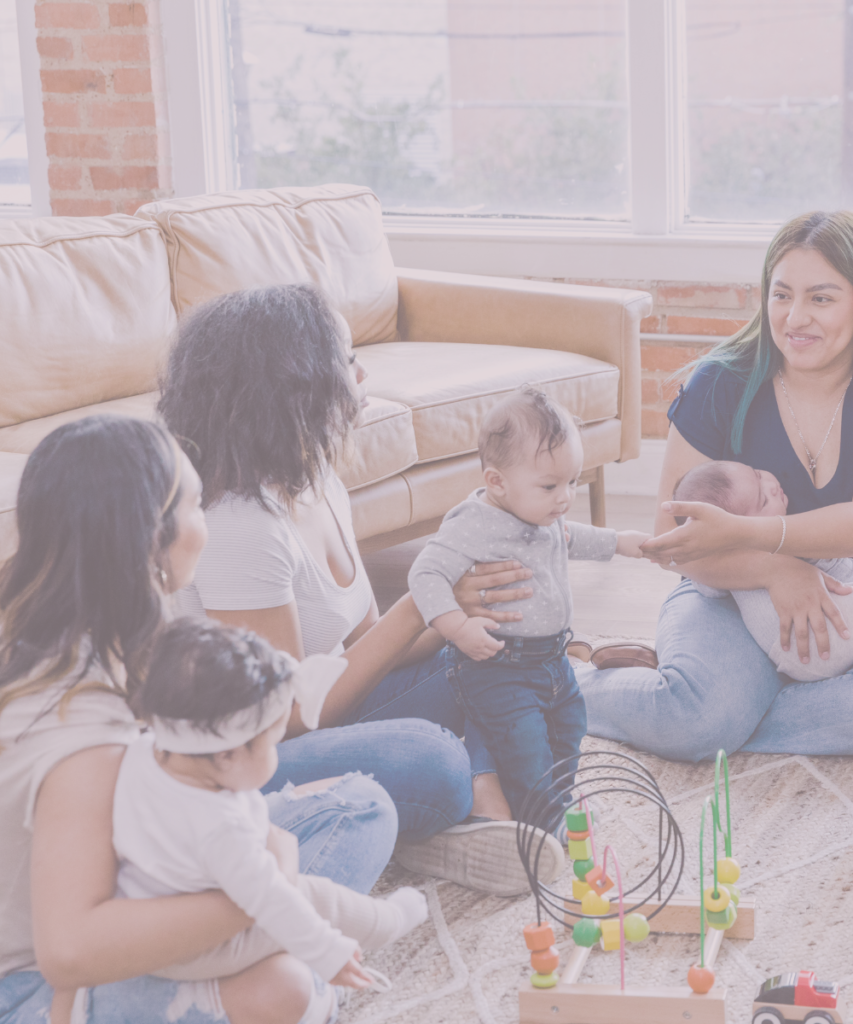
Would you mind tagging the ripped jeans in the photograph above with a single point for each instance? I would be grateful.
(345, 833)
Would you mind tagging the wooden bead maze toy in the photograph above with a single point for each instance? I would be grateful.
(649, 904)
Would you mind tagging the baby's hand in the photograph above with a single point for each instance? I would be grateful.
(628, 543)
(474, 639)
(352, 974)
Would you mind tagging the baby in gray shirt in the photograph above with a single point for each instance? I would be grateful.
(514, 679)
(745, 491)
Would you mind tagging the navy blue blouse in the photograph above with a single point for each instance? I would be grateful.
(703, 412)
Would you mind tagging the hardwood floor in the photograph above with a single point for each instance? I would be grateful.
(619, 598)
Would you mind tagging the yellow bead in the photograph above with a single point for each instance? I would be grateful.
(580, 849)
(610, 936)
(579, 889)
(636, 927)
(544, 980)
(594, 905)
(728, 870)
(735, 892)
(716, 903)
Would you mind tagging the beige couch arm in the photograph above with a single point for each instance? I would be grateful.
(600, 322)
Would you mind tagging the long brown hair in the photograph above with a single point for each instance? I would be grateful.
(92, 530)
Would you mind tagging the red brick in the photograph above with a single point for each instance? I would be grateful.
(130, 206)
(61, 115)
(81, 207)
(55, 47)
(64, 178)
(132, 80)
(668, 357)
(140, 147)
(116, 48)
(124, 15)
(650, 325)
(73, 81)
(651, 391)
(654, 423)
(122, 114)
(720, 327)
(706, 296)
(49, 15)
(93, 147)
(110, 179)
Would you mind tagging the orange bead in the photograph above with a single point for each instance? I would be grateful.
(538, 936)
(579, 835)
(700, 979)
(596, 879)
(544, 961)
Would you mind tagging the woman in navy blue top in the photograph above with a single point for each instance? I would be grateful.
(777, 396)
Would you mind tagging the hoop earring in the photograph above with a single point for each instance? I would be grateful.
(164, 577)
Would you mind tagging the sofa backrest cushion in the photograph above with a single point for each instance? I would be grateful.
(330, 236)
(85, 312)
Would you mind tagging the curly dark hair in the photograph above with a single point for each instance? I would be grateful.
(257, 390)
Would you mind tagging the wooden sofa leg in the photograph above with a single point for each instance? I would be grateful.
(596, 498)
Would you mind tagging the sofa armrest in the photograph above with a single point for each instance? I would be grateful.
(600, 322)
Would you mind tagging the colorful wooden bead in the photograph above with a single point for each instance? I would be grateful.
(611, 937)
(594, 905)
(581, 867)
(728, 870)
(636, 927)
(576, 819)
(735, 892)
(580, 849)
(579, 889)
(543, 980)
(586, 932)
(717, 901)
(700, 979)
(545, 961)
(538, 936)
(596, 879)
(723, 919)
(579, 835)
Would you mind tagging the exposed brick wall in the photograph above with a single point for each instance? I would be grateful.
(711, 311)
(104, 105)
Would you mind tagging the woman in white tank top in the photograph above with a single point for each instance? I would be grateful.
(264, 387)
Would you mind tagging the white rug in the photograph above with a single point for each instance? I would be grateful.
(793, 836)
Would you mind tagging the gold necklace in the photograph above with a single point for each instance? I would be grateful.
(812, 459)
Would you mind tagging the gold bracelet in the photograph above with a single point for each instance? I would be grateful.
(784, 531)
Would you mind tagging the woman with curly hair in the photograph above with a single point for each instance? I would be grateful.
(264, 387)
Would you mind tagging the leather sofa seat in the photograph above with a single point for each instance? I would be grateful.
(447, 408)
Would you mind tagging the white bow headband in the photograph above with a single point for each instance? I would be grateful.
(309, 683)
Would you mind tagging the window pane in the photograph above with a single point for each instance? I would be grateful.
(765, 107)
(441, 106)
(14, 173)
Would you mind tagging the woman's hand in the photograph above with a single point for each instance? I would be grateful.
(709, 531)
(799, 594)
(491, 576)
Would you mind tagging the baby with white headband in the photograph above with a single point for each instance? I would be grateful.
(188, 816)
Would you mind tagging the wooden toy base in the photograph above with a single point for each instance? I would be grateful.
(681, 917)
(608, 1004)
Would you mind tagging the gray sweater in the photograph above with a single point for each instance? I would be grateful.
(476, 532)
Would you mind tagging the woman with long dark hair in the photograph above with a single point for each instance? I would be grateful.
(777, 396)
(110, 522)
(264, 388)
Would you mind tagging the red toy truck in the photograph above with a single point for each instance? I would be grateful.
(796, 997)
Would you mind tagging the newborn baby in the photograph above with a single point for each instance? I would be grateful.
(745, 491)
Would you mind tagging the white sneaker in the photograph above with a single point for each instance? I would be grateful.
(481, 855)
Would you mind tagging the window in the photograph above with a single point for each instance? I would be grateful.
(14, 167)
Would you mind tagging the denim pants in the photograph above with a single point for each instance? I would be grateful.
(531, 713)
(346, 833)
(405, 734)
(714, 687)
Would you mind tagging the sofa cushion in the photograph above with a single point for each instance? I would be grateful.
(450, 387)
(86, 312)
(331, 236)
(11, 468)
(381, 445)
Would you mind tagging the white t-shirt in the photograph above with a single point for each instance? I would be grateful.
(174, 838)
(256, 558)
(34, 738)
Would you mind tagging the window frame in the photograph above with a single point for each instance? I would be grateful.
(658, 243)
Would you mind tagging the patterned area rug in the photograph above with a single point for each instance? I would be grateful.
(792, 821)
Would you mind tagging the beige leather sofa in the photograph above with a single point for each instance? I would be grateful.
(88, 307)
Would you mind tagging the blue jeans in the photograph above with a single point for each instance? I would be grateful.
(404, 734)
(346, 833)
(531, 712)
(714, 687)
